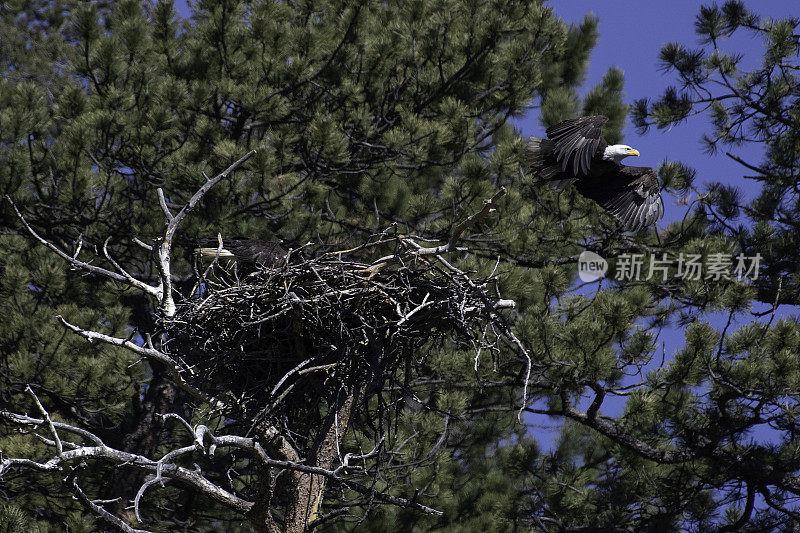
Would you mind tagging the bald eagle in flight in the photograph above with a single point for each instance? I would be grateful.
(575, 152)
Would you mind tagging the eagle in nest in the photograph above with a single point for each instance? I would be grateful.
(258, 253)
(576, 153)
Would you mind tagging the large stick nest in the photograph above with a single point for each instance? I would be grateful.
(283, 338)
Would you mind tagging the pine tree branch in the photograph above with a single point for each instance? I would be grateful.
(151, 354)
(746, 512)
(76, 263)
(610, 430)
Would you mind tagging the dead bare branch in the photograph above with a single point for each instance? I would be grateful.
(148, 353)
(165, 248)
(191, 478)
(101, 513)
(56, 438)
(81, 265)
(164, 470)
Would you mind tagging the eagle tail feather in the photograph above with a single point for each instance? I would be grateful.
(542, 158)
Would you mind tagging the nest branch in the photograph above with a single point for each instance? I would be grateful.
(261, 334)
(417, 250)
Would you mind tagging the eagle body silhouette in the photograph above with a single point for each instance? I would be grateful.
(576, 153)
(255, 252)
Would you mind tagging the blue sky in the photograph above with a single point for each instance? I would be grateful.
(631, 35)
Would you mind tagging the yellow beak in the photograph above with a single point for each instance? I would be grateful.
(633, 152)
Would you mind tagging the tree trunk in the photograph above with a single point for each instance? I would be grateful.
(307, 489)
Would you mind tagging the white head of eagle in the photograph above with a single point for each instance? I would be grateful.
(618, 152)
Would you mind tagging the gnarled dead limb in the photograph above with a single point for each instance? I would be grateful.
(164, 251)
(164, 469)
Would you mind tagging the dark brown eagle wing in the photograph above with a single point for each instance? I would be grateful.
(631, 194)
(256, 251)
(576, 141)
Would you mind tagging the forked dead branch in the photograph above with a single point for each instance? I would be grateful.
(287, 361)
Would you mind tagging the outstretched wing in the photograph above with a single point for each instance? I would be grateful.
(631, 194)
(576, 141)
